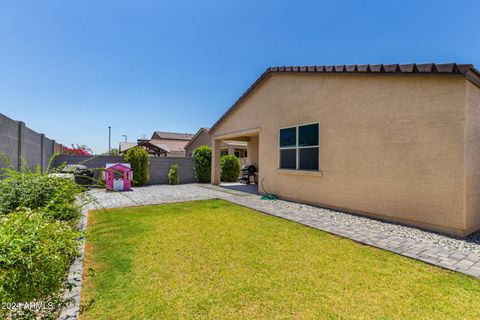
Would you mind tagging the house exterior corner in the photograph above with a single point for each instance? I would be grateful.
(397, 147)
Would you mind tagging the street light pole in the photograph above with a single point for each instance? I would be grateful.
(109, 140)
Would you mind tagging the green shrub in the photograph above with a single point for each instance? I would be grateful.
(230, 168)
(202, 163)
(56, 196)
(38, 240)
(173, 177)
(139, 161)
(35, 254)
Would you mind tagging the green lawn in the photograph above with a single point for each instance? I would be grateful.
(216, 260)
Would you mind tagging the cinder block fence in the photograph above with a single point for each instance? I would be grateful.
(159, 166)
(18, 142)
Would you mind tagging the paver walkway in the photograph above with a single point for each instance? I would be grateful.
(449, 259)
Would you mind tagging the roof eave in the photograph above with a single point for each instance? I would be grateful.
(466, 70)
(195, 136)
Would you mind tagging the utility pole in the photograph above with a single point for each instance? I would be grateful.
(124, 135)
(109, 140)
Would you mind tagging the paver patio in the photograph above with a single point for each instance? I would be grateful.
(435, 255)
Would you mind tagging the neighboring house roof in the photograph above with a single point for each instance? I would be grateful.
(427, 68)
(172, 145)
(124, 146)
(172, 135)
(161, 145)
(199, 132)
(167, 145)
(153, 148)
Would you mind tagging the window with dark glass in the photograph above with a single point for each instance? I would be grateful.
(288, 151)
(308, 135)
(308, 158)
(288, 159)
(288, 137)
(300, 147)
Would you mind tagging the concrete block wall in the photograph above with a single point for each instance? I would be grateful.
(48, 149)
(31, 147)
(18, 142)
(9, 132)
(159, 166)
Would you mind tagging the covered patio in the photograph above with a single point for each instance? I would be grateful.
(251, 137)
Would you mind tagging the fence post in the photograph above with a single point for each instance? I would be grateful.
(42, 154)
(21, 126)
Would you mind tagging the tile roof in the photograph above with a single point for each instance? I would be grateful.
(124, 146)
(379, 68)
(161, 145)
(172, 145)
(172, 135)
(426, 68)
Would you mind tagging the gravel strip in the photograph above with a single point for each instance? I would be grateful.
(470, 244)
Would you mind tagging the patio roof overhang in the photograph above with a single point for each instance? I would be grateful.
(152, 148)
(243, 135)
(250, 135)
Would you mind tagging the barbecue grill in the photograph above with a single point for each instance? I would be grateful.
(248, 172)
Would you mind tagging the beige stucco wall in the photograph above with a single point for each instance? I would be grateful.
(391, 146)
(253, 152)
(203, 139)
(472, 156)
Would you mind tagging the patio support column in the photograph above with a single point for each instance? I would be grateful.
(252, 148)
(216, 161)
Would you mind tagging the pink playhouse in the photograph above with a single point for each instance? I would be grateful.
(118, 176)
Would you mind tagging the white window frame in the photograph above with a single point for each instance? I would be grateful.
(297, 147)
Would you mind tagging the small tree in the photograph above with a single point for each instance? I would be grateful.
(139, 161)
(173, 177)
(202, 163)
(230, 168)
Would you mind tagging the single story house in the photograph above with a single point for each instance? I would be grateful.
(161, 144)
(174, 141)
(396, 142)
(202, 138)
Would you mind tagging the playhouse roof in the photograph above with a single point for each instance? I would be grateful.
(118, 166)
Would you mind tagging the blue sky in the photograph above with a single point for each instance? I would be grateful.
(70, 69)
